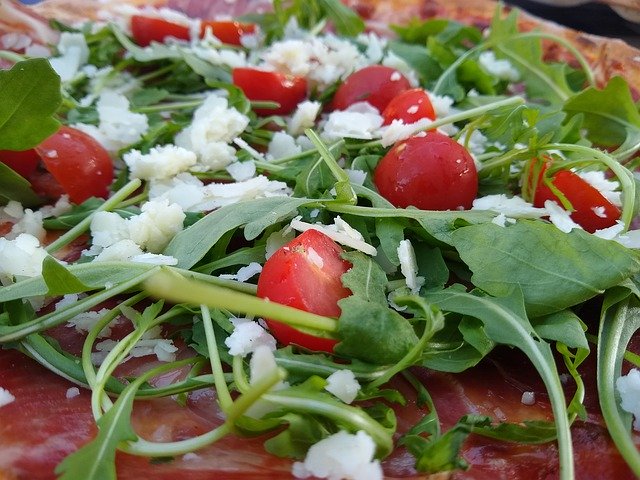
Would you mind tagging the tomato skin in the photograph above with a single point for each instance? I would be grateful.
(291, 277)
(584, 198)
(430, 172)
(287, 90)
(23, 163)
(375, 84)
(409, 106)
(149, 29)
(81, 166)
(228, 32)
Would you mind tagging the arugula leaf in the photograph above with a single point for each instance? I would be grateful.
(505, 322)
(442, 453)
(543, 80)
(301, 433)
(555, 269)
(15, 187)
(529, 431)
(191, 244)
(346, 21)
(30, 98)
(619, 320)
(373, 332)
(609, 115)
(365, 278)
(59, 279)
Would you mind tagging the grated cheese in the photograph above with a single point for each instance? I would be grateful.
(360, 120)
(247, 336)
(341, 456)
(628, 387)
(343, 384)
(409, 266)
(5, 397)
(340, 232)
(161, 162)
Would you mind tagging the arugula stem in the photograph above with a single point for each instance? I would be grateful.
(84, 224)
(355, 417)
(12, 56)
(239, 376)
(167, 107)
(17, 332)
(629, 356)
(224, 397)
(176, 288)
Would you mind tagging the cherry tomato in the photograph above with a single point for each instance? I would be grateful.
(409, 106)
(77, 162)
(149, 29)
(375, 84)
(23, 163)
(287, 90)
(228, 32)
(306, 274)
(430, 172)
(591, 210)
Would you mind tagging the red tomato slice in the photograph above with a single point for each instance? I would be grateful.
(24, 163)
(430, 172)
(375, 84)
(409, 106)
(306, 274)
(228, 32)
(591, 210)
(149, 29)
(287, 90)
(77, 162)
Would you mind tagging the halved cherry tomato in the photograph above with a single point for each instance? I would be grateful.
(306, 274)
(375, 84)
(287, 90)
(591, 210)
(77, 162)
(228, 32)
(24, 162)
(409, 106)
(430, 172)
(149, 29)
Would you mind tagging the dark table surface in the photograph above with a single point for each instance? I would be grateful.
(591, 17)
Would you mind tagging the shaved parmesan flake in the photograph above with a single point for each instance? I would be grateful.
(610, 189)
(628, 387)
(247, 336)
(304, 117)
(241, 171)
(341, 456)
(262, 364)
(528, 398)
(282, 145)
(360, 120)
(161, 162)
(512, 206)
(560, 217)
(21, 257)
(72, 392)
(499, 68)
(5, 397)
(343, 384)
(245, 273)
(409, 266)
(340, 232)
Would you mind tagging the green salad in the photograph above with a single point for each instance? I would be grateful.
(294, 211)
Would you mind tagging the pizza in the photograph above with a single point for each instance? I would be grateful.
(363, 240)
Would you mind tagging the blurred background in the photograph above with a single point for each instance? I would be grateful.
(590, 17)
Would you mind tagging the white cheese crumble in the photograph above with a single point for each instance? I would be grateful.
(612, 232)
(441, 104)
(341, 456)
(528, 398)
(262, 364)
(360, 120)
(512, 206)
(560, 217)
(357, 177)
(85, 321)
(74, 53)
(72, 392)
(340, 232)
(118, 126)
(499, 68)
(343, 384)
(304, 117)
(214, 125)
(21, 257)
(247, 336)
(244, 273)
(24, 220)
(282, 145)
(193, 196)
(475, 142)
(241, 171)
(149, 344)
(397, 130)
(5, 397)
(629, 390)
(409, 266)
(161, 162)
